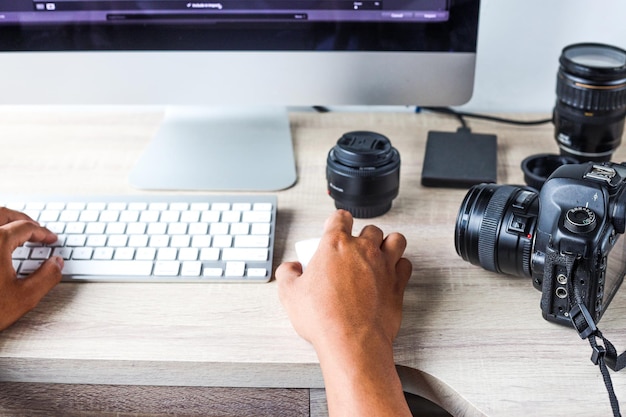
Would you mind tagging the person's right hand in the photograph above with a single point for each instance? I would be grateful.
(351, 285)
(348, 304)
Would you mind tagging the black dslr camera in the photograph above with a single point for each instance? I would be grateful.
(563, 237)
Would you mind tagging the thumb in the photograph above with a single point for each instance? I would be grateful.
(286, 274)
(288, 271)
(40, 282)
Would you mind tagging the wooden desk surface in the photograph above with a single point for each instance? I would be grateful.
(472, 341)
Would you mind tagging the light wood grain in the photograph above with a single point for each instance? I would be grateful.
(472, 341)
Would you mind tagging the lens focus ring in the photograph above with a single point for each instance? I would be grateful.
(590, 97)
(495, 228)
(488, 236)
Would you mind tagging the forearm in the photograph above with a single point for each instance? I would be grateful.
(361, 379)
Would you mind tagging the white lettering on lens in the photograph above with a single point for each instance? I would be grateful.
(334, 187)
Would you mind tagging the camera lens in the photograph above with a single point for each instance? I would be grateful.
(363, 174)
(591, 101)
(495, 228)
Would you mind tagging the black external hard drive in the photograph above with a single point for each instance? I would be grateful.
(459, 159)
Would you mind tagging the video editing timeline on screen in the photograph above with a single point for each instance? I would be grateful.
(290, 10)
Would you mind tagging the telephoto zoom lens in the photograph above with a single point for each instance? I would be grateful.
(363, 173)
(591, 101)
(495, 228)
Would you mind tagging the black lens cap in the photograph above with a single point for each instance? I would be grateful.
(363, 149)
(537, 168)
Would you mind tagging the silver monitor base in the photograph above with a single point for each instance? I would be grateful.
(219, 149)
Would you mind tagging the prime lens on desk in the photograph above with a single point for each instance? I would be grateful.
(363, 173)
(591, 101)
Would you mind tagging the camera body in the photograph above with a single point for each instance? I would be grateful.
(565, 237)
(582, 212)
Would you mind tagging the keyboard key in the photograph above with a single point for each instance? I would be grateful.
(235, 269)
(209, 254)
(257, 216)
(96, 240)
(222, 241)
(28, 267)
(125, 254)
(145, 254)
(107, 268)
(159, 241)
(253, 241)
(75, 228)
(138, 241)
(40, 253)
(65, 253)
(191, 269)
(166, 268)
(260, 229)
(102, 253)
(243, 254)
(82, 253)
(21, 253)
(76, 240)
(257, 272)
(212, 272)
(167, 254)
(188, 254)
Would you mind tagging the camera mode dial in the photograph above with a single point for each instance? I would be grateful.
(580, 220)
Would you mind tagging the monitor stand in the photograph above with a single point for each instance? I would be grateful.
(219, 149)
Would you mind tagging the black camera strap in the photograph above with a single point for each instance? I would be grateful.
(605, 356)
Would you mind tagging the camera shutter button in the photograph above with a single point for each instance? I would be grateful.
(580, 220)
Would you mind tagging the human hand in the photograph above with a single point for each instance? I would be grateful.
(20, 295)
(348, 304)
(351, 285)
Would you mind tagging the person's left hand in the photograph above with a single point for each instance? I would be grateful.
(20, 295)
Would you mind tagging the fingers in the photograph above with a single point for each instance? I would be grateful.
(7, 215)
(339, 221)
(17, 232)
(403, 272)
(394, 245)
(372, 233)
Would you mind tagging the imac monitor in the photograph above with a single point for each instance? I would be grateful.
(226, 70)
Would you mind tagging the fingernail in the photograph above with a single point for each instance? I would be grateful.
(59, 261)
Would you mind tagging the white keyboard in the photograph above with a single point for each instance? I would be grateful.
(153, 238)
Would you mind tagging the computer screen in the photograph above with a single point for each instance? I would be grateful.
(227, 69)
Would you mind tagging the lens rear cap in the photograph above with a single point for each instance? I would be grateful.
(363, 149)
(537, 168)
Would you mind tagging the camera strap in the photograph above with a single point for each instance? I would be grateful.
(605, 356)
